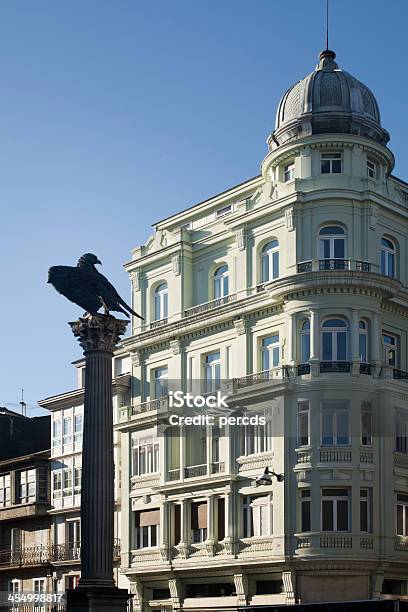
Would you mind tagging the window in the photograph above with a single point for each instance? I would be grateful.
(77, 479)
(161, 302)
(56, 433)
(305, 515)
(225, 210)
(366, 424)
(303, 423)
(26, 486)
(305, 341)
(401, 431)
(67, 481)
(145, 454)
(390, 346)
(14, 586)
(257, 438)
(402, 514)
(198, 522)
(270, 261)
(330, 163)
(388, 257)
(78, 428)
(335, 423)
(332, 242)
(289, 172)
(161, 377)
(270, 351)
(73, 534)
(221, 282)
(363, 341)
(212, 370)
(335, 509)
(257, 516)
(39, 585)
(147, 528)
(67, 430)
(366, 510)
(371, 169)
(57, 484)
(5, 499)
(334, 340)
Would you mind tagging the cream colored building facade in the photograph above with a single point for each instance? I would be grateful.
(290, 291)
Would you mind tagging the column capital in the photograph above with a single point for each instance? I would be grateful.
(98, 332)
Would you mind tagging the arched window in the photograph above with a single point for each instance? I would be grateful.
(363, 341)
(334, 340)
(388, 257)
(332, 247)
(161, 302)
(305, 341)
(270, 261)
(221, 281)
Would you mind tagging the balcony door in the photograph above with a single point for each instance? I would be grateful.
(334, 340)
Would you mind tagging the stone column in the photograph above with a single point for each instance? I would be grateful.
(98, 335)
(354, 337)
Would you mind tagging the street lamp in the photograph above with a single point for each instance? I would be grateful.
(266, 477)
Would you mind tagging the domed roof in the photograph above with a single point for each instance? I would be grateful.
(328, 100)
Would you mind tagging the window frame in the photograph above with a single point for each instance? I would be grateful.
(252, 516)
(335, 331)
(366, 438)
(335, 499)
(332, 158)
(332, 238)
(160, 374)
(371, 167)
(335, 409)
(389, 347)
(212, 372)
(301, 414)
(145, 446)
(404, 505)
(5, 500)
(270, 353)
(304, 338)
(305, 500)
(289, 172)
(161, 301)
(367, 501)
(270, 261)
(221, 282)
(388, 254)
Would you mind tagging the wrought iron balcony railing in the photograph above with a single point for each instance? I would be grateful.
(400, 375)
(365, 368)
(71, 551)
(332, 264)
(227, 299)
(30, 555)
(343, 367)
(195, 470)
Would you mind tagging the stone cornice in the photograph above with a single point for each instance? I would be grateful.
(76, 397)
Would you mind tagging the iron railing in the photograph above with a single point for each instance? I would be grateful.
(334, 264)
(226, 299)
(343, 367)
(303, 368)
(195, 470)
(365, 368)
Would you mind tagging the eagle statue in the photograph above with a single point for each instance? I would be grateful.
(87, 287)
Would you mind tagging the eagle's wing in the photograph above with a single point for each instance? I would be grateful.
(71, 282)
(111, 297)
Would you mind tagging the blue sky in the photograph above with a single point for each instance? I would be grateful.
(114, 115)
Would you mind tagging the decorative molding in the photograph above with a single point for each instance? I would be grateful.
(241, 236)
(289, 582)
(373, 218)
(176, 261)
(175, 346)
(241, 587)
(241, 326)
(289, 217)
(136, 358)
(98, 332)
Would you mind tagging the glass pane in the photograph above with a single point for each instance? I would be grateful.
(341, 346)
(327, 346)
(305, 348)
(383, 256)
(363, 516)
(217, 288)
(342, 515)
(391, 265)
(334, 323)
(265, 360)
(275, 265)
(275, 356)
(327, 428)
(362, 342)
(325, 166)
(157, 307)
(165, 305)
(327, 515)
(225, 285)
(305, 519)
(326, 249)
(343, 428)
(336, 166)
(331, 230)
(265, 268)
(339, 251)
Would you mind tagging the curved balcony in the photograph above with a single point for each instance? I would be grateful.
(332, 264)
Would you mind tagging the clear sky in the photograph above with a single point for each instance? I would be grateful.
(115, 114)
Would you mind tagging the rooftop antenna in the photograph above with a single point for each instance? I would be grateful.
(327, 25)
(23, 404)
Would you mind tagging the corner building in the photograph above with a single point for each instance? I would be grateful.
(291, 289)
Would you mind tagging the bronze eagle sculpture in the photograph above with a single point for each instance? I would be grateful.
(87, 287)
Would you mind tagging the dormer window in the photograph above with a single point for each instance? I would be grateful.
(371, 169)
(225, 210)
(331, 163)
(289, 172)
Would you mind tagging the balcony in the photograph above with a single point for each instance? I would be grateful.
(227, 299)
(26, 556)
(278, 373)
(341, 367)
(332, 264)
(343, 543)
(158, 323)
(400, 375)
(335, 455)
(150, 405)
(194, 471)
(71, 552)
